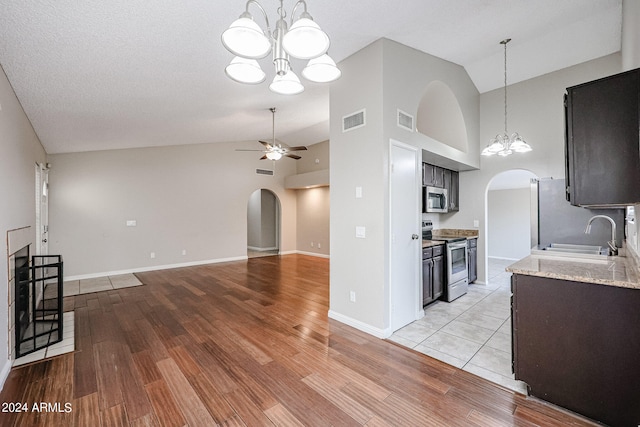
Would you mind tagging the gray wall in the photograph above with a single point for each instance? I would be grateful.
(535, 111)
(509, 223)
(313, 204)
(191, 198)
(560, 222)
(383, 77)
(20, 151)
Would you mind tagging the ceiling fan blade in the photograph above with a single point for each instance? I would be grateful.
(247, 149)
(298, 148)
(293, 156)
(263, 157)
(267, 145)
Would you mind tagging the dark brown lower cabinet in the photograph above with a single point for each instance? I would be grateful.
(577, 345)
(432, 274)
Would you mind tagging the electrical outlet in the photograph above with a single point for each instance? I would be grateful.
(319, 247)
(184, 252)
(352, 296)
(311, 244)
(476, 223)
(153, 255)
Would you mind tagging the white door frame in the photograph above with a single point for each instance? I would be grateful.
(42, 209)
(393, 270)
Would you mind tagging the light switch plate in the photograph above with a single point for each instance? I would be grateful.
(360, 232)
(476, 223)
(131, 223)
(358, 192)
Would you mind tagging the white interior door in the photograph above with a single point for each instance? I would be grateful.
(405, 235)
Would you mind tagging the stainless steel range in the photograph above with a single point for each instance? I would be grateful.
(456, 260)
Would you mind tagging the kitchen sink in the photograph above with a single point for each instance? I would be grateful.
(572, 251)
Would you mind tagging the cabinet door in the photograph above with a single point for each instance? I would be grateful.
(432, 175)
(602, 153)
(473, 264)
(438, 276)
(452, 184)
(427, 281)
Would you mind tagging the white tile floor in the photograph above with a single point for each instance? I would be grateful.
(67, 345)
(473, 332)
(107, 283)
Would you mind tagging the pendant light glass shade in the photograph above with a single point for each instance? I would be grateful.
(245, 70)
(287, 84)
(321, 70)
(305, 39)
(245, 38)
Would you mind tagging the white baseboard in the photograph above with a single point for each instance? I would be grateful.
(364, 327)
(504, 258)
(257, 249)
(153, 268)
(4, 373)
(312, 254)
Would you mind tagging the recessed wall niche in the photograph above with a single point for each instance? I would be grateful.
(440, 117)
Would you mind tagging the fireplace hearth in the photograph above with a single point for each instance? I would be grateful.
(38, 302)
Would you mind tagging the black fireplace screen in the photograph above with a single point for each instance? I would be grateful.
(38, 302)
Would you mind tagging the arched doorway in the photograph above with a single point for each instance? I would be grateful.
(263, 224)
(509, 219)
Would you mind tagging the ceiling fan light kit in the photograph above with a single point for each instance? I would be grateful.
(504, 144)
(274, 151)
(304, 39)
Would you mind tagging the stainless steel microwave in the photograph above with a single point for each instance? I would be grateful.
(434, 199)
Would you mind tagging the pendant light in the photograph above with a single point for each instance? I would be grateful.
(504, 144)
(304, 39)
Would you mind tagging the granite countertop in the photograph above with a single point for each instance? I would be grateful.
(431, 243)
(621, 271)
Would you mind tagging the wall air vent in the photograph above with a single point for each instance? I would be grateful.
(264, 172)
(354, 121)
(405, 120)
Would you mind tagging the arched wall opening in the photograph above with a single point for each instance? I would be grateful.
(263, 223)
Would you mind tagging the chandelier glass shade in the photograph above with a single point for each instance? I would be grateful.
(504, 144)
(304, 39)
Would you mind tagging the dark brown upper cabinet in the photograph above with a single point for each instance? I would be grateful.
(432, 175)
(602, 151)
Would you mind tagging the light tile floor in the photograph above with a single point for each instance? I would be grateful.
(98, 284)
(67, 345)
(473, 332)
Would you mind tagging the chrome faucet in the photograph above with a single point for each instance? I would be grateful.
(612, 243)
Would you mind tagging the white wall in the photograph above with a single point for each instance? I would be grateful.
(509, 223)
(190, 197)
(254, 216)
(20, 151)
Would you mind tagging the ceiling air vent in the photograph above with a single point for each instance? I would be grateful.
(264, 172)
(405, 120)
(353, 121)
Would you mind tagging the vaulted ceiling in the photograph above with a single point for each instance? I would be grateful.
(96, 75)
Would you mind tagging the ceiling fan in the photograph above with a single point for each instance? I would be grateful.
(273, 150)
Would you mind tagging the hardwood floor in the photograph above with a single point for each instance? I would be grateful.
(248, 343)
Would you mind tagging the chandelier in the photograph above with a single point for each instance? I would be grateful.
(504, 144)
(303, 39)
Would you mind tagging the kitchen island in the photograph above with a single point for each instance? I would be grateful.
(576, 334)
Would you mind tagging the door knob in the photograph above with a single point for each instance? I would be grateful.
(44, 240)
(414, 237)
